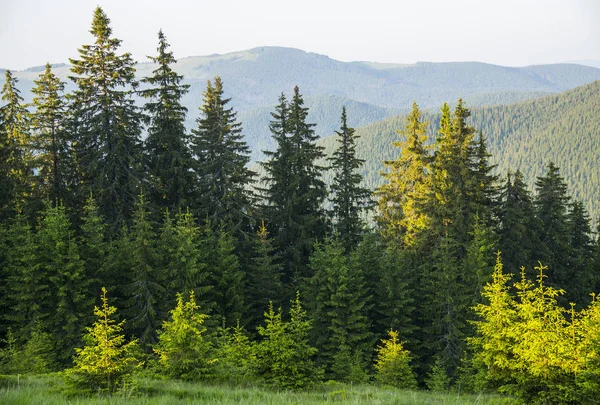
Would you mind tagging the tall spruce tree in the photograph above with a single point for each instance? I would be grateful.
(221, 169)
(167, 157)
(294, 191)
(106, 124)
(349, 198)
(15, 152)
(49, 137)
(147, 279)
(402, 216)
(581, 253)
(339, 305)
(552, 205)
(518, 234)
(264, 277)
(69, 303)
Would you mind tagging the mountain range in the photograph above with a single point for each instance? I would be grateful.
(255, 78)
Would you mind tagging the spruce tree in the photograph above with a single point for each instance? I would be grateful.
(106, 362)
(225, 276)
(27, 290)
(222, 156)
(581, 283)
(183, 347)
(106, 124)
(146, 286)
(401, 215)
(58, 259)
(551, 208)
(264, 277)
(339, 305)
(49, 137)
(294, 191)
(94, 248)
(182, 258)
(349, 198)
(518, 233)
(167, 157)
(15, 150)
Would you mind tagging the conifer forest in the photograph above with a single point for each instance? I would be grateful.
(133, 249)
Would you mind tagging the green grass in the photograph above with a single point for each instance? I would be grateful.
(42, 390)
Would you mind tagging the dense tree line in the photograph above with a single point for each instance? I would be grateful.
(208, 272)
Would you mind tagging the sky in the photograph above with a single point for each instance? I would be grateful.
(503, 32)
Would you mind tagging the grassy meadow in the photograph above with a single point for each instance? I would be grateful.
(46, 390)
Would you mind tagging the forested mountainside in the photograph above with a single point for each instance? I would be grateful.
(563, 128)
(371, 91)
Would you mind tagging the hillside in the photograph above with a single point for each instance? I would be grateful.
(255, 78)
(563, 128)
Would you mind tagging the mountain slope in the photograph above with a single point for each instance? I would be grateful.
(563, 128)
(255, 78)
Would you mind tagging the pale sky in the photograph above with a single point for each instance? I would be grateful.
(503, 32)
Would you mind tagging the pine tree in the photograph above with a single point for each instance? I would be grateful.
(221, 158)
(94, 247)
(285, 357)
(57, 258)
(167, 157)
(518, 234)
(106, 362)
(106, 124)
(551, 208)
(182, 346)
(581, 283)
(294, 191)
(49, 137)
(339, 304)
(15, 153)
(402, 216)
(183, 258)
(392, 363)
(27, 290)
(349, 198)
(264, 277)
(147, 282)
(225, 276)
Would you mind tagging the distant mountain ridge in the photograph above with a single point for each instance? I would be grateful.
(255, 78)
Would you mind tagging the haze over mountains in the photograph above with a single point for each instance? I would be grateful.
(371, 91)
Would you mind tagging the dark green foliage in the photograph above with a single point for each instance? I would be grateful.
(182, 258)
(225, 276)
(518, 234)
(284, 356)
(551, 209)
(94, 248)
(294, 192)
(167, 158)
(26, 290)
(147, 279)
(221, 158)
(264, 278)
(57, 258)
(49, 138)
(349, 198)
(106, 124)
(339, 303)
